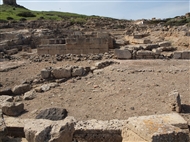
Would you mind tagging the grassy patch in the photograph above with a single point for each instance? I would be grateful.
(8, 12)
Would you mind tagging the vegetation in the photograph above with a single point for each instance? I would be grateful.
(176, 21)
(8, 12)
(15, 14)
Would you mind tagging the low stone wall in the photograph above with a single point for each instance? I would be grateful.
(154, 128)
(181, 55)
(150, 51)
(74, 46)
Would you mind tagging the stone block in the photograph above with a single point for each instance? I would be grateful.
(99, 131)
(52, 41)
(177, 55)
(130, 136)
(12, 109)
(185, 55)
(175, 101)
(78, 71)
(145, 53)
(102, 35)
(123, 54)
(45, 74)
(110, 43)
(59, 73)
(42, 51)
(164, 44)
(12, 51)
(21, 89)
(53, 51)
(150, 46)
(159, 128)
(141, 41)
(77, 33)
(94, 51)
(149, 57)
(71, 41)
(74, 51)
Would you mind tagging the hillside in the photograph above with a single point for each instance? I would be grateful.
(12, 13)
(8, 13)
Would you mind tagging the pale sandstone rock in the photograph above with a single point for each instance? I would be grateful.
(21, 89)
(61, 72)
(41, 130)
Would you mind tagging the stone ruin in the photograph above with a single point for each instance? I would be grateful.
(170, 127)
(154, 128)
(10, 2)
(136, 46)
(76, 44)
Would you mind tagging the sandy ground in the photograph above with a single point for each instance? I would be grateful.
(131, 88)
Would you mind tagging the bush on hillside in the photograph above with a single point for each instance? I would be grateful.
(10, 18)
(26, 14)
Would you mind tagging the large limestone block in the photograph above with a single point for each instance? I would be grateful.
(41, 130)
(175, 101)
(157, 128)
(45, 74)
(59, 73)
(145, 53)
(12, 109)
(164, 44)
(21, 89)
(150, 46)
(77, 71)
(99, 131)
(185, 55)
(177, 55)
(123, 54)
(52, 114)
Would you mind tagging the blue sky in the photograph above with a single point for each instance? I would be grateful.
(122, 9)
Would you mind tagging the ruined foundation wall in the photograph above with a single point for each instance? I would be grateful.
(73, 46)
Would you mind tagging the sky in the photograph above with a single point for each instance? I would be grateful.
(120, 9)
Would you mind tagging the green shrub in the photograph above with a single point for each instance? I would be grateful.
(78, 21)
(23, 19)
(26, 14)
(10, 18)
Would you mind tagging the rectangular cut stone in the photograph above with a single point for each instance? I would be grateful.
(150, 46)
(130, 136)
(177, 55)
(99, 131)
(159, 128)
(145, 53)
(141, 41)
(185, 55)
(123, 54)
(102, 35)
(164, 44)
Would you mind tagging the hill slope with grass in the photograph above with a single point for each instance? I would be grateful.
(8, 12)
(20, 13)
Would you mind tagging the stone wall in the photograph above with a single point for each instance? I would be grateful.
(73, 45)
(154, 128)
(10, 2)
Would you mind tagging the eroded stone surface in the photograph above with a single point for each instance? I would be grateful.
(158, 128)
(99, 131)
